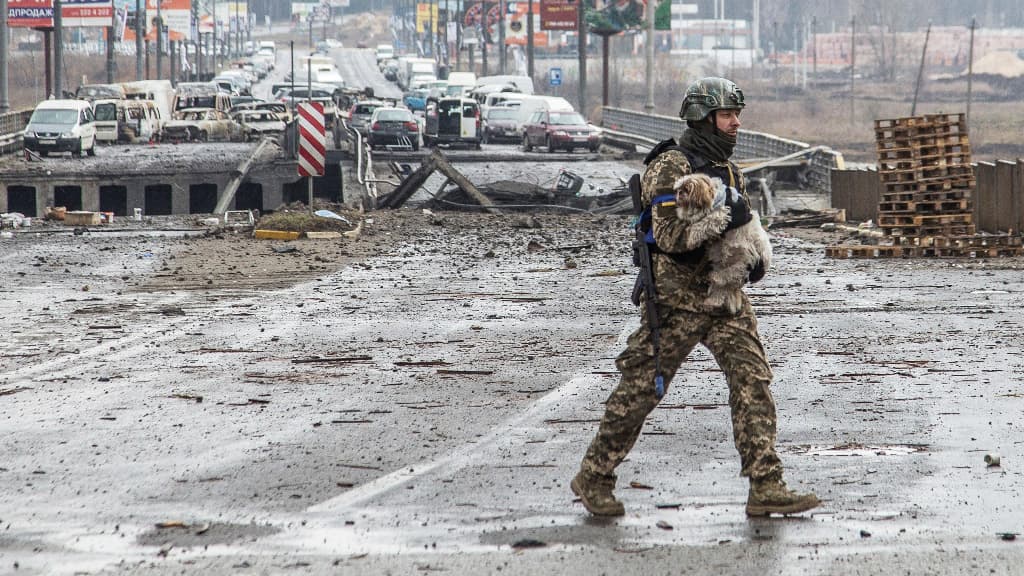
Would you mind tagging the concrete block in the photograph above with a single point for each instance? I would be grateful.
(82, 218)
(275, 235)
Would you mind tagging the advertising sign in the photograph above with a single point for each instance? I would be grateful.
(29, 14)
(177, 17)
(515, 32)
(426, 17)
(557, 15)
(87, 13)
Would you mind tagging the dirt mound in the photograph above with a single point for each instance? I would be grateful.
(1004, 63)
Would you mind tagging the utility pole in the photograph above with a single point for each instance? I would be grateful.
(58, 50)
(501, 35)
(159, 40)
(649, 56)
(853, 64)
(216, 48)
(755, 28)
(970, 71)
(5, 103)
(814, 46)
(581, 49)
(529, 39)
(920, 69)
(139, 20)
(111, 63)
(483, 35)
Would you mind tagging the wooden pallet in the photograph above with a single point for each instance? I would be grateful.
(951, 195)
(858, 251)
(918, 174)
(915, 232)
(924, 206)
(923, 220)
(849, 251)
(976, 241)
(931, 185)
(931, 148)
(928, 123)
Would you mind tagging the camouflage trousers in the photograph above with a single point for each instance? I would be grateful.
(735, 345)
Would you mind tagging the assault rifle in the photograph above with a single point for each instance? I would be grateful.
(645, 279)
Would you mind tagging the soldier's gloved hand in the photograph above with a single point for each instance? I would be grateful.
(757, 272)
(738, 210)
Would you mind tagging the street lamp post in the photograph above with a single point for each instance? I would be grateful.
(5, 104)
(58, 49)
(159, 40)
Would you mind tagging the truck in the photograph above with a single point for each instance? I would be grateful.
(416, 68)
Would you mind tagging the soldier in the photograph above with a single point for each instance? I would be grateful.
(711, 109)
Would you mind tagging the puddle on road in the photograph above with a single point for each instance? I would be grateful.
(860, 450)
(183, 535)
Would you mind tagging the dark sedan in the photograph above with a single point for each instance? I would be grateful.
(501, 123)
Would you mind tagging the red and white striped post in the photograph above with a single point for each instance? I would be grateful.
(312, 156)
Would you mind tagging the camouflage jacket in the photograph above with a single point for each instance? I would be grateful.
(681, 282)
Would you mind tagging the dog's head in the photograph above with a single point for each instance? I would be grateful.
(696, 192)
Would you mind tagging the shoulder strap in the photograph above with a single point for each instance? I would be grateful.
(660, 147)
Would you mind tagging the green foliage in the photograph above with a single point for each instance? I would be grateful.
(663, 15)
(617, 16)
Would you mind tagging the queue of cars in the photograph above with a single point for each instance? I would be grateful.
(154, 110)
(465, 110)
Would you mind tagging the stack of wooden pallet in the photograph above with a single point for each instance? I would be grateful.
(924, 163)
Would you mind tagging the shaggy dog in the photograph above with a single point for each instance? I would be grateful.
(701, 204)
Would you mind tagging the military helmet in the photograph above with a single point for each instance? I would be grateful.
(709, 94)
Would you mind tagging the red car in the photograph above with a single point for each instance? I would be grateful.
(554, 130)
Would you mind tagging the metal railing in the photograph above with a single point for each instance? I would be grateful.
(12, 126)
(620, 124)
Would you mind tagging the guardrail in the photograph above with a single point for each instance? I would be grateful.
(12, 126)
(632, 127)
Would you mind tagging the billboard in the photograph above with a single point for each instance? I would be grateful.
(177, 17)
(29, 14)
(557, 15)
(86, 13)
(75, 13)
(426, 17)
(515, 32)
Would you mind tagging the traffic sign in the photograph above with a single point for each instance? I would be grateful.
(555, 76)
(312, 139)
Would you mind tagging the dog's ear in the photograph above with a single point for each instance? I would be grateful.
(686, 183)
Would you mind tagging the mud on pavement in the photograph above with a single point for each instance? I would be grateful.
(417, 399)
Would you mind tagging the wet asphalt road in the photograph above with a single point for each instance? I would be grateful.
(424, 409)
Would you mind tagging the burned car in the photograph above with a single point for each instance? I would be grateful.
(258, 124)
(202, 125)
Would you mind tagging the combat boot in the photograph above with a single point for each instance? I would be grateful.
(597, 496)
(770, 495)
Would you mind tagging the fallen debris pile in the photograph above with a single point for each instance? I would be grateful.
(459, 193)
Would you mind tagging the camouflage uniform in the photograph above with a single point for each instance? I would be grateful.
(732, 340)
(680, 277)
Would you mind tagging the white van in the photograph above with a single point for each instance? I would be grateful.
(522, 83)
(61, 126)
(385, 52)
(127, 120)
(502, 99)
(161, 92)
(462, 79)
(530, 103)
